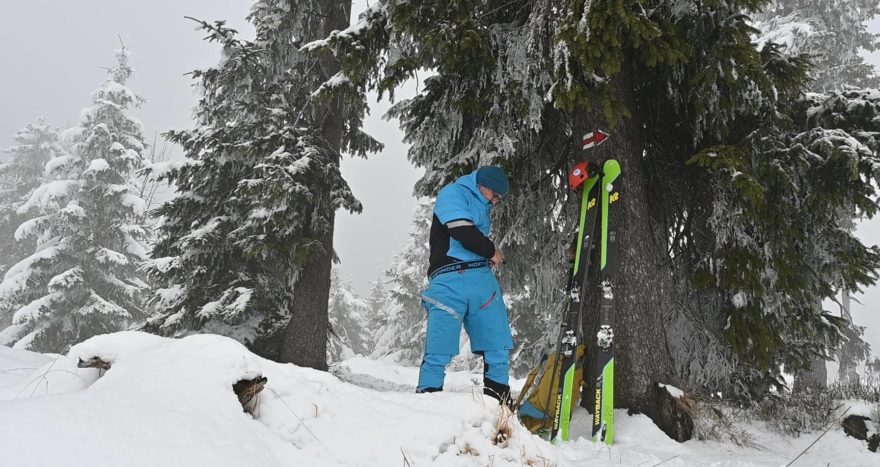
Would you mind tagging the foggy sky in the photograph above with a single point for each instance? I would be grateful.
(52, 60)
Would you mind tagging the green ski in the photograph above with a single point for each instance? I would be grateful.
(580, 177)
(603, 410)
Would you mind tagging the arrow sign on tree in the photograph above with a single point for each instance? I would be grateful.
(594, 139)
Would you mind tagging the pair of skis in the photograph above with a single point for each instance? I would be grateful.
(599, 191)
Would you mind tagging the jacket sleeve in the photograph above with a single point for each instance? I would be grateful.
(453, 211)
(452, 205)
(471, 238)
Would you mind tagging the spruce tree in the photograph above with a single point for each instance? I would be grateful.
(725, 202)
(401, 335)
(22, 173)
(834, 33)
(83, 278)
(245, 249)
(378, 301)
(349, 317)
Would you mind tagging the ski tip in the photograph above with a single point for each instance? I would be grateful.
(611, 169)
(611, 164)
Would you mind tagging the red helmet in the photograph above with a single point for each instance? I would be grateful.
(578, 174)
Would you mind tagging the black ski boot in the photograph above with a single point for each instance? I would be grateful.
(497, 391)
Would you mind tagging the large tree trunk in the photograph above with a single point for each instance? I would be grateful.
(641, 354)
(305, 338)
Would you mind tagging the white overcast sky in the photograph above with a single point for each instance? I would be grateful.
(52, 58)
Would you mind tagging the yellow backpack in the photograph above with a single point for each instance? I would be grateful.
(537, 395)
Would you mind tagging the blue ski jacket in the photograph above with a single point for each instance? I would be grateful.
(458, 203)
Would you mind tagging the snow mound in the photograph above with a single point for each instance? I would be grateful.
(170, 402)
(45, 376)
(17, 364)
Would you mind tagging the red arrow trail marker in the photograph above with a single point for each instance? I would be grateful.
(594, 139)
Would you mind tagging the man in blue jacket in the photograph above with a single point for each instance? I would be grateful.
(462, 289)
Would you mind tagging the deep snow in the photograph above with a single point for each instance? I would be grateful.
(169, 402)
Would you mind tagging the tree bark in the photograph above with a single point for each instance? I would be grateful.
(642, 357)
(305, 338)
(847, 372)
(814, 377)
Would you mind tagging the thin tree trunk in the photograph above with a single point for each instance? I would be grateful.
(305, 338)
(848, 373)
(816, 376)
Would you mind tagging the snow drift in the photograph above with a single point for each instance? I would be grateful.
(170, 402)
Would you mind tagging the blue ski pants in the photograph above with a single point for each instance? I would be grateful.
(471, 298)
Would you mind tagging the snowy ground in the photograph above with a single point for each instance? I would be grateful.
(169, 402)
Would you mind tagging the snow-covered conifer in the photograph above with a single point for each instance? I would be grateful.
(701, 122)
(835, 35)
(780, 245)
(349, 317)
(833, 32)
(401, 335)
(245, 249)
(35, 145)
(83, 278)
(378, 301)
